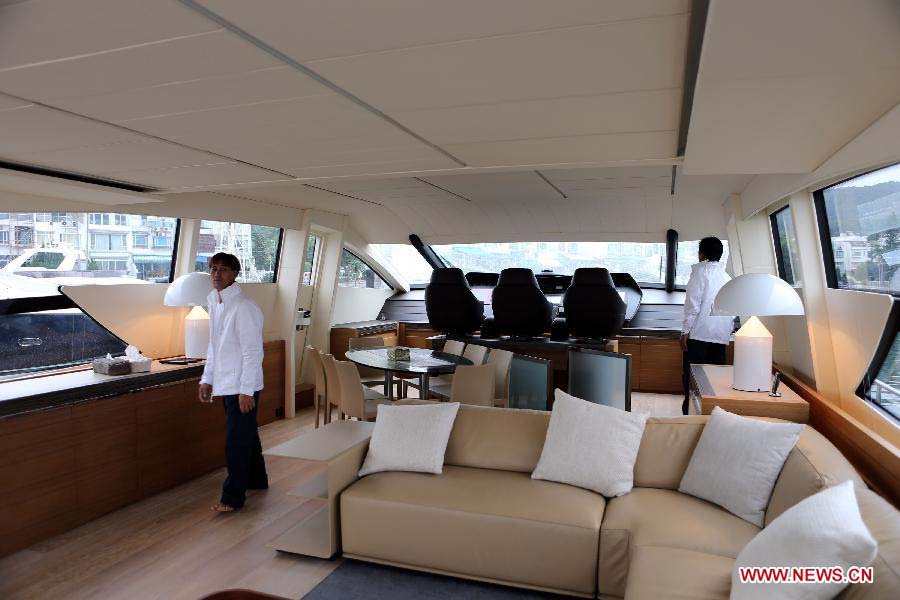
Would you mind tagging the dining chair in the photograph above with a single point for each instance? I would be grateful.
(353, 399)
(319, 393)
(368, 375)
(453, 347)
(441, 384)
(332, 386)
(473, 385)
(502, 362)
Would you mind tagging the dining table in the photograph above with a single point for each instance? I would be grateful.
(422, 363)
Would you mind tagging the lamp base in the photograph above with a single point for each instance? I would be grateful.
(180, 361)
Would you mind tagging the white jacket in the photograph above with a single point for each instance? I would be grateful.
(706, 279)
(235, 354)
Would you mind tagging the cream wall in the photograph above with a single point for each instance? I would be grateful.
(358, 304)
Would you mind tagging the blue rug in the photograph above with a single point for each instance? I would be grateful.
(356, 580)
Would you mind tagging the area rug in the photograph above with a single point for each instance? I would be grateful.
(355, 580)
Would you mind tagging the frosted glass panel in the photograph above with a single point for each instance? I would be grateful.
(601, 377)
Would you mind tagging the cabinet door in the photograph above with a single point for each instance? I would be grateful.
(632, 347)
(660, 369)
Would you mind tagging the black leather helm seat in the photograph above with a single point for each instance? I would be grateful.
(592, 305)
(520, 307)
(450, 303)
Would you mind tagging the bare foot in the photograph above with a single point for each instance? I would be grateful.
(222, 508)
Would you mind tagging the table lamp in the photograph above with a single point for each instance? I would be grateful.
(191, 290)
(755, 295)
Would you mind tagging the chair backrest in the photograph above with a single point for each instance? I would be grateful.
(502, 361)
(592, 304)
(450, 304)
(520, 307)
(332, 382)
(475, 353)
(319, 369)
(473, 385)
(353, 402)
(454, 347)
(366, 342)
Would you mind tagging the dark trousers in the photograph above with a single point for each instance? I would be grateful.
(243, 453)
(698, 353)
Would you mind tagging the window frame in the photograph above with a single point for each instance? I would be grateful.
(831, 278)
(775, 230)
(891, 328)
(374, 270)
(278, 247)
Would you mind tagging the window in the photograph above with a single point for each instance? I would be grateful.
(77, 259)
(162, 241)
(140, 240)
(859, 226)
(688, 257)
(256, 246)
(311, 262)
(121, 219)
(98, 219)
(355, 273)
(58, 217)
(407, 261)
(4, 237)
(881, 383)
(42, 217)
(787, 256)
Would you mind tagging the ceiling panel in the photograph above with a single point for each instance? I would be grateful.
(577, 183)
(572, 149)
(40, 129)
(9, 103)
(215, 53)
(627, 112)
(550, 64)
(206, 93)
(329, 28)
(187, 176)
(785, 101)
(45, 30)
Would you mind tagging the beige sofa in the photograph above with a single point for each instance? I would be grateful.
(485, 518)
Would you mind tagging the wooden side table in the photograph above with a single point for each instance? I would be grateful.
(340, 447)
(711, 387)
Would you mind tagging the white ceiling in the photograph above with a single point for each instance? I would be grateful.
(442, 117)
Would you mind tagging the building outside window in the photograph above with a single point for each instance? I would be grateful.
(353, 272)
(162, 241)
(256, 247)
(859, 221)
(98, 219)
(140, 240)
(4, 238)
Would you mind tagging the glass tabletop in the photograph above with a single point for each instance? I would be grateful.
(421, 361)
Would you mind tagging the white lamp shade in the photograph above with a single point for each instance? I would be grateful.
(189, 290)
(196, 333)
(757, 294)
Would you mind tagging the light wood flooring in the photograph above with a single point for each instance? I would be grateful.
(173, 546)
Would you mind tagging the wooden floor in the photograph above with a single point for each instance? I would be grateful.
(173, 546)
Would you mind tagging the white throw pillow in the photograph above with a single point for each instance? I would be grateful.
(824, 530)
(410, 438)
(591, 446)
(737, 461)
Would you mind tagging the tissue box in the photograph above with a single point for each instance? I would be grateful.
(112, 366)
(398, 353)
(141, 365)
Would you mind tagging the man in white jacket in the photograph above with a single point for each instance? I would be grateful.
(234, 371)
(704, 337)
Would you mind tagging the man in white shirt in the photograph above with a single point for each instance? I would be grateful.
(234, 371)
(704, 337)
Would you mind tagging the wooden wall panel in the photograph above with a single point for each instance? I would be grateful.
(632, 346)
(65, 466)
(660, 366)
(415, 337)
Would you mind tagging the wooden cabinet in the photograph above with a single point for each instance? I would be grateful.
(416, 337)
(341, 334)
(660, 369)
(65, 466)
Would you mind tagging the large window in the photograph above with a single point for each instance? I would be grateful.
(256, 246)
(787, 255)
(311, 260)
(859, 223)
(40, 329)
(355, 273)
(407, 261)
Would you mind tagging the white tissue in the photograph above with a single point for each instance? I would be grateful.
(139, 363)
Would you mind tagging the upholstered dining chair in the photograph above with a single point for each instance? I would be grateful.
(502, 362)
(369, 376)
(473, 352)
(453, 347)
(473, 385)
(332, 386)
(353, 399)
(319, 393)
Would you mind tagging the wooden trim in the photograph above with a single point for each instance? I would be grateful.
(876, 459)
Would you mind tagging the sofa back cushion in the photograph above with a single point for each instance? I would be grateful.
(497, 438)
(812, 465)
(883, 522)
(666, 450)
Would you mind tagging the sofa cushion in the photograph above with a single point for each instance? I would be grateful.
(490, 524)
(668, 519)
(666, 450)
(677, 574)
(883, 522)
(497, 438)
(812, 465)
(737, 462)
